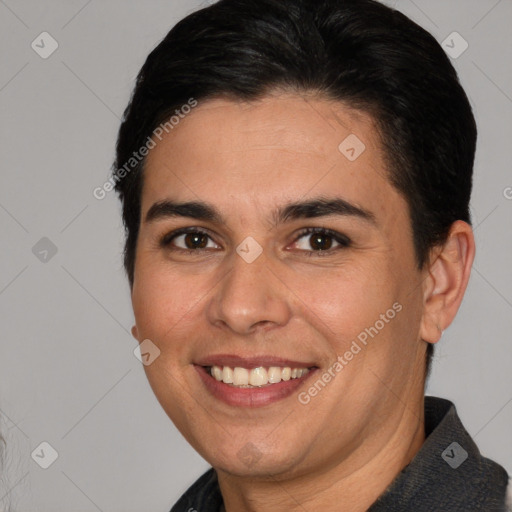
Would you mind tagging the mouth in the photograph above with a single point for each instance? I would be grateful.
(255, 377)
(252, 382)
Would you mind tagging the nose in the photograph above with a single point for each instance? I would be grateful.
(249, 298)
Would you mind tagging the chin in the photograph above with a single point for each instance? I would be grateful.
(252, 460)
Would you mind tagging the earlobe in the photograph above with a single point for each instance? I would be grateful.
(447, 280)
(135, 332)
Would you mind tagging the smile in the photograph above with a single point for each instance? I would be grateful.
(255, 384)
(255, 377)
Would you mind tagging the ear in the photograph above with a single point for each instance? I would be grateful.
(135, 332)
(448, 274)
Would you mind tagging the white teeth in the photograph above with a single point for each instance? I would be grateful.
(260, 376)
(240, 376)
(227, 374)
(217, 372)
(274, 375)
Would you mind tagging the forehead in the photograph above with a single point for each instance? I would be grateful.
(264, 151)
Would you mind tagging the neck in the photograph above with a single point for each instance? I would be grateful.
(350, 485)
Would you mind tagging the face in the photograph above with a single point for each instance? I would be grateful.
(269, 240)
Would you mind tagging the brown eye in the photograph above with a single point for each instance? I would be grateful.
(195, 240)
(190, 240)
(320, 239)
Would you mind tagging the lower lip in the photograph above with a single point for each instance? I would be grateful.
(250, 397)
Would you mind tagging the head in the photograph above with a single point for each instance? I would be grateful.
(270, 120)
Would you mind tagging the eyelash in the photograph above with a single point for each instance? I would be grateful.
(341, 239)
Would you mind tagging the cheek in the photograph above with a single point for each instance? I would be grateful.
(342, 302)
(163, 302)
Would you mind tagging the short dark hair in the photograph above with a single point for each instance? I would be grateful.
(359, 52)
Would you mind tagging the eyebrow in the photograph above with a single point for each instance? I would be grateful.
(318, 207)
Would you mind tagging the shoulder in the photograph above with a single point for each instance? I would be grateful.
(448, 473)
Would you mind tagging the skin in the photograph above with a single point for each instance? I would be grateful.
(342, 449)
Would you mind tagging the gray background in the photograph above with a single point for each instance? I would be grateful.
(68, 375)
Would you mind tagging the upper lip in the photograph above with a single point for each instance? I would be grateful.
(232, 361)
